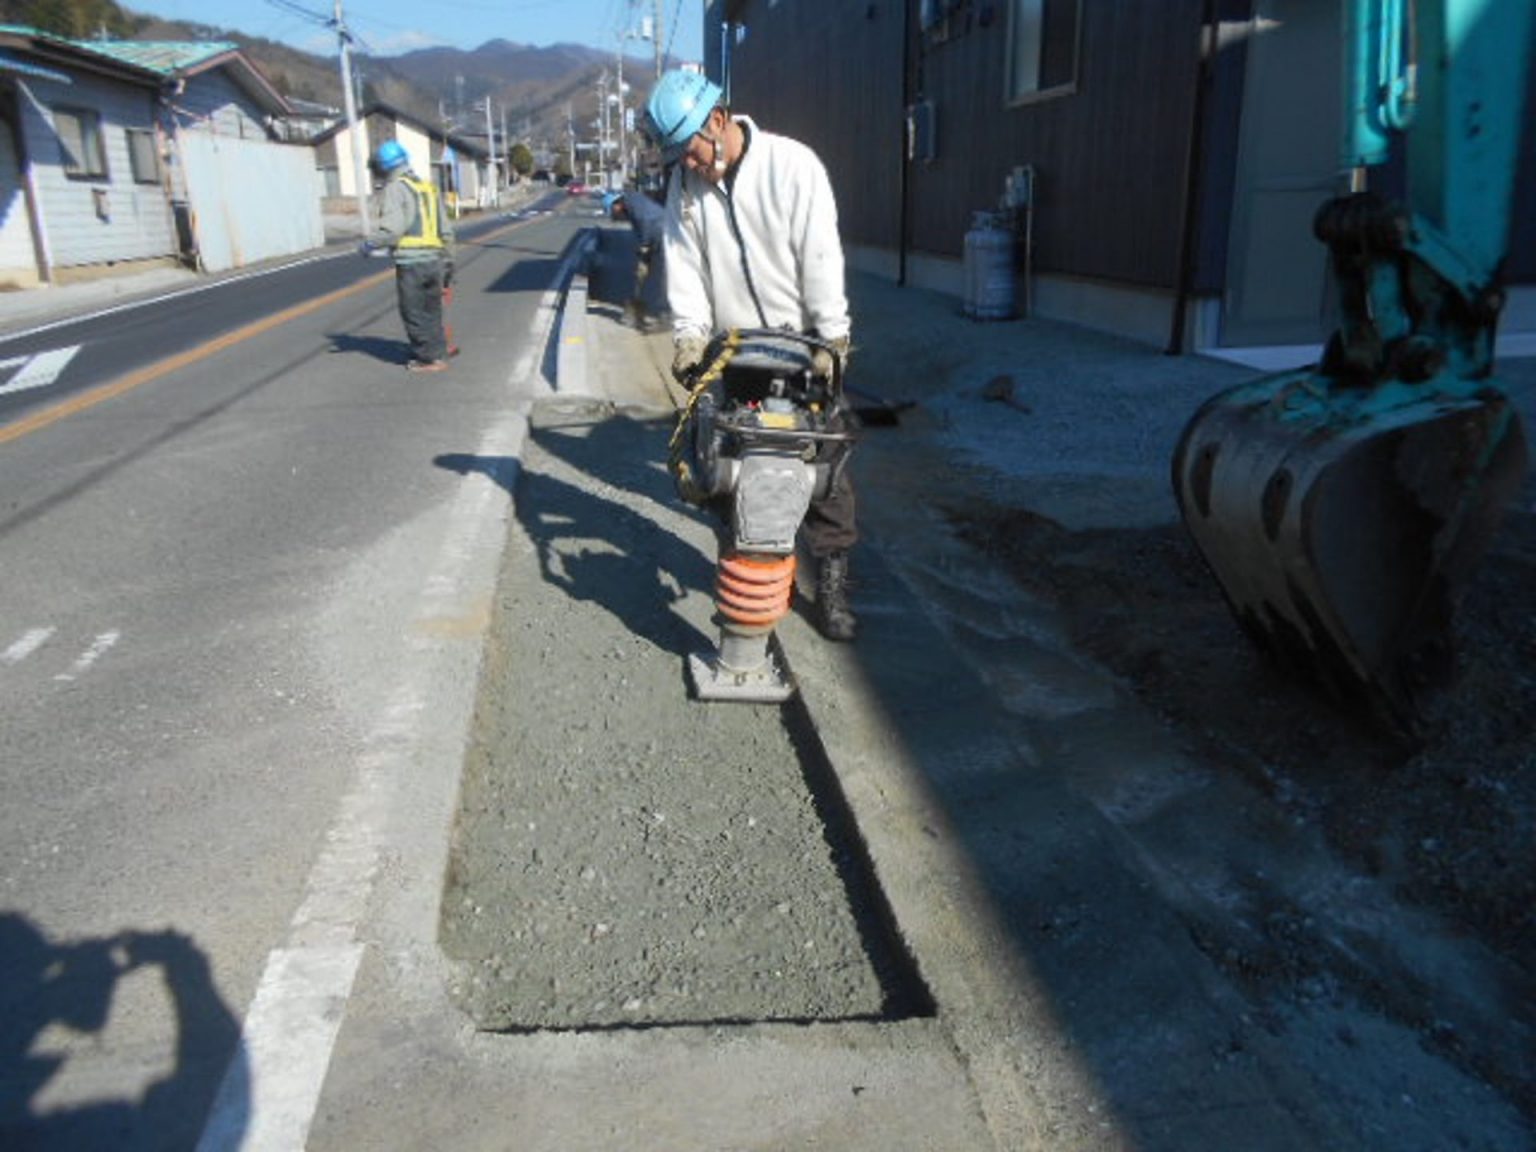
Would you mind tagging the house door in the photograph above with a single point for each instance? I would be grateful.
(1287, 164)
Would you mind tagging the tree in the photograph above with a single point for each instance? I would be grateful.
(522, 159)
(75, 19)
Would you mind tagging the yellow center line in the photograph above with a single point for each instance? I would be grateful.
(103, 392)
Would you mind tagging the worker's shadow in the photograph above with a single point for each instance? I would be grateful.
(380, 348)
(609, 543)
(53, 993)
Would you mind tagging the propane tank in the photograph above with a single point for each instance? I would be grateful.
(987, 292)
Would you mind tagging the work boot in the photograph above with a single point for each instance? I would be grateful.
(834, 615)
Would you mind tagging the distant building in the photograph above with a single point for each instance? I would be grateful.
(460, 166)
(115, 153)
(306, 120)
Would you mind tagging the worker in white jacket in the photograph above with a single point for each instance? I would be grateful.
(751, 242)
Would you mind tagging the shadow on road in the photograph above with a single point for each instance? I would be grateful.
(613, 550)
(389, 351)
(529, 275)
(55, 993)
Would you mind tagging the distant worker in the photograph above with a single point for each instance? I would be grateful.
(410, 221)
(648, 219)
(752, 242)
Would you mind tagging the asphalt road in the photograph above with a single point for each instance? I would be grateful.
(238, 578)
(55, 358)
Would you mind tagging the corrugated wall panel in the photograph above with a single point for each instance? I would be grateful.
(251, 200)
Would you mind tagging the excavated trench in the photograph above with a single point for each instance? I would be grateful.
(625, 856)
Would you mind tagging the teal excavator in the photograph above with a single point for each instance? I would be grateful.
(1342, 506)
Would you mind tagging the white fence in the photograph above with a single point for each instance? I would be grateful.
(250, 200)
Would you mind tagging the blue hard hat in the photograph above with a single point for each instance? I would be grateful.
(390, 156)
(677, 109)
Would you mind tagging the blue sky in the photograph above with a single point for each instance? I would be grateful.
(390, 27)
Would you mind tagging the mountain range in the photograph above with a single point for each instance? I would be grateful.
(537, 92)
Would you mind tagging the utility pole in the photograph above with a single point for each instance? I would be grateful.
(490, 140)
(602, 126)
(506, 146)
(349, 102)
(570, 138)
(623, 112)
(656, 33)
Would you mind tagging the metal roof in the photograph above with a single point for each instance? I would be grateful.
(167, 57)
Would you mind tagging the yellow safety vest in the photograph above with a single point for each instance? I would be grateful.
(424, 233)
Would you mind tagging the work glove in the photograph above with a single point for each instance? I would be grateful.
(364, 248)
(821, 358)
(687, 353)
(448, 271)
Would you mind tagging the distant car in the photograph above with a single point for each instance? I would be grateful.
(575, 187)
(563, 178)
(541, 176)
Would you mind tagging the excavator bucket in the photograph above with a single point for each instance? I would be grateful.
(1340, 522)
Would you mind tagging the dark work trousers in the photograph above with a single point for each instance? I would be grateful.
(829, 524)
(419, 287)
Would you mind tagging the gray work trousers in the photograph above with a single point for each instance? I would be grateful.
(419, 289)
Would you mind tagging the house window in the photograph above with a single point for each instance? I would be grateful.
(143, 156)
(1042, 47)
(80, 144)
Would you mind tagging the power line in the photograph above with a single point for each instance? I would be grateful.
(300, 10)
(672, 35)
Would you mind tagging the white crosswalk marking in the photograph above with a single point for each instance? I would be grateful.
(29, 643)
(99, 647)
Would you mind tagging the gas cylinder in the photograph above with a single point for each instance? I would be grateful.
(988, 290)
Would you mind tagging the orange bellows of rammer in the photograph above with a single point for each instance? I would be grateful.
(753, 592)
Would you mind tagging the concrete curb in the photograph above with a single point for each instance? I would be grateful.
(572, 363)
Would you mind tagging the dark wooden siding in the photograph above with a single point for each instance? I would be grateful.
(1109, 156)
(829, 74)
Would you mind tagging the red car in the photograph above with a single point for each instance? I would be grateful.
(575, 187)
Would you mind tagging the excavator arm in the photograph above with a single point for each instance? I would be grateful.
(1342, 506)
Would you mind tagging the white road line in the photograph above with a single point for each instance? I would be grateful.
(39, 371)
(99, 648)
(29, 643)
(177, 295)
(270, 1092)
